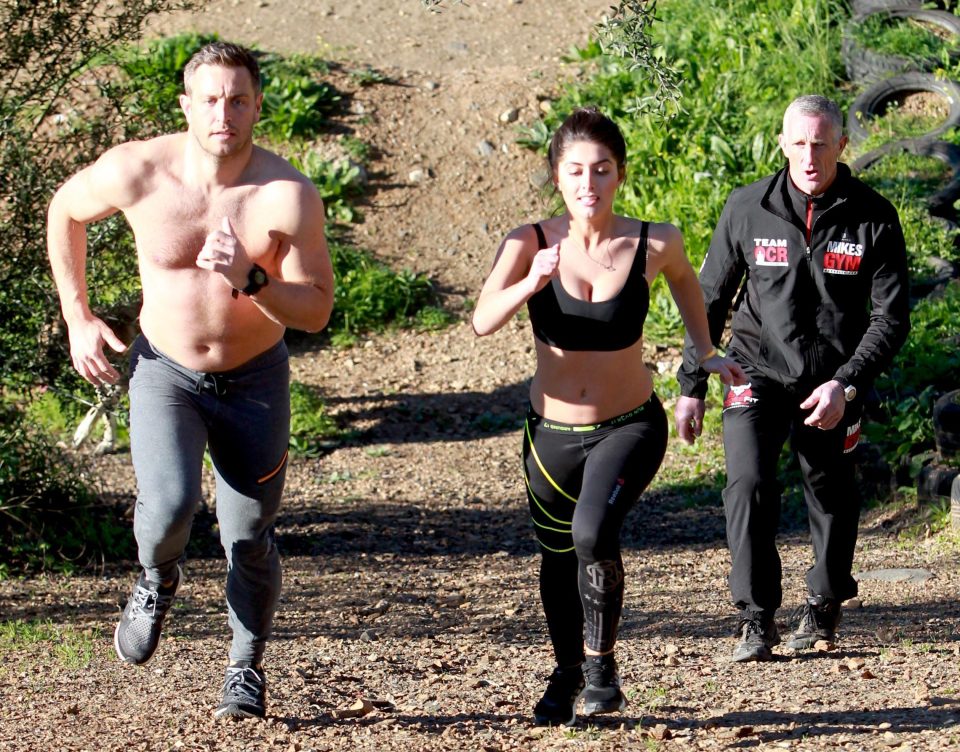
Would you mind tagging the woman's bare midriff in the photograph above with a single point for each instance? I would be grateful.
(582, 387)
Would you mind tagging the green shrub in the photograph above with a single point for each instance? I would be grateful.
(295, 101)
(52, 123)
(311, 429)
(925, 368)
(338, 183)
(908, 180)
(50, 518)
(370, 296)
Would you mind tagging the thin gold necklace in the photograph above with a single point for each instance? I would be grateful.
(606, 248)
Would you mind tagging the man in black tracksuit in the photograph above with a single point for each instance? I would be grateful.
(823, 310)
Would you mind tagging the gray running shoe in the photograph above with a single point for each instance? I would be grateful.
(602, 693)
(244, 693)
(758, 634)
(138, 632)
(817, 619)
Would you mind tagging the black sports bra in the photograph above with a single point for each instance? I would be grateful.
(561, 320)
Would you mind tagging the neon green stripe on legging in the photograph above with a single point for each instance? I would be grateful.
(540, 506)
(551, 529)
(536, 457)
(554, 550)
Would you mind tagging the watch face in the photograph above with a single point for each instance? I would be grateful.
(850, 393)
(259, 276)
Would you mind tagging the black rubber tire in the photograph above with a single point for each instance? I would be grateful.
(946, 424)
(941, 203)
(946, 152)
(873, 100)
(865, 65)
(868, 6)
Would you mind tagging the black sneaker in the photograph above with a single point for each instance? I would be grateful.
(244, 693)
(138, 633)
(817, 619)
(602, 693)
(558, 706)
(758, 633)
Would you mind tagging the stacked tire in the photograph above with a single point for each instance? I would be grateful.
(887, 79)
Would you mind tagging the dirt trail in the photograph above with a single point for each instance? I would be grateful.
(410, 571)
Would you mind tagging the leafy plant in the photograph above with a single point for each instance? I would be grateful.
(312, 430)
(338, 183)
(367, 75)
(152, 82)
(908, 181)
(625, 34)
(369, 295)
(924, 368)
(295, 101)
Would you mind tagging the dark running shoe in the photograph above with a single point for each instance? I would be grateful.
(758, 634)
(138, 633)
(602, 693)
(244, 693)
(558, 706)
(817, 619)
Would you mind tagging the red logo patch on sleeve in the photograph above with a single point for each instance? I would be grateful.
(739, 396)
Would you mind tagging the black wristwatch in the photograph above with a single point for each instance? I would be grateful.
(256, 281)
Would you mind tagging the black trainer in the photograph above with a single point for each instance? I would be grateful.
(602, 693)
(817, 619)
(558, 706)
(138, 632)
(244, 693)
(758, 633)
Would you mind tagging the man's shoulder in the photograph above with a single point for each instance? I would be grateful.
(144, 153)
(271, 167)
(277, 177)
(281, 191)
(753, 191)
(128, 171)
(133, 162)
(862, 193)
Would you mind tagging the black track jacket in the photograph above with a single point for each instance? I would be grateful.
(836, 308)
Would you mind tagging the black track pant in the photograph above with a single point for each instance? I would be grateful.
(581, 482)
(757, 419)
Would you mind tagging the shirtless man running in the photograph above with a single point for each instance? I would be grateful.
(231, 250)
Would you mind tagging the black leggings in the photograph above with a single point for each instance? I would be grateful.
(581, 482)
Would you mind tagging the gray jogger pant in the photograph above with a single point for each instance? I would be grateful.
(243, 417)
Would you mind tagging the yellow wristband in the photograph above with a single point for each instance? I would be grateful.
(710, 353)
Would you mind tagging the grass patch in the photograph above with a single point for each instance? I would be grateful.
(64, 646)
(909, 38)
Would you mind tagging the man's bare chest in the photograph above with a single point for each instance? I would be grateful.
(171, 225)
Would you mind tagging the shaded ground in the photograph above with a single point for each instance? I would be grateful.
(410, 571)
